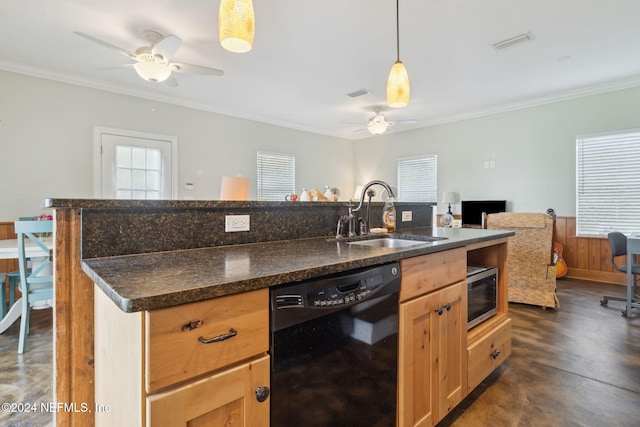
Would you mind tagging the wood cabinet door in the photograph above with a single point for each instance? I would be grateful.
(451, 362)
(226, 398)
(432, 343)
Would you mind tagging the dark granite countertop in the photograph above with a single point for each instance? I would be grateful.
(164, 279)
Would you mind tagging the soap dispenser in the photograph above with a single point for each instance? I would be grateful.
(389, 215)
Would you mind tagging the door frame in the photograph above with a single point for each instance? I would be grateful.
(98, 131)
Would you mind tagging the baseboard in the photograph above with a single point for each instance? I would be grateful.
(597, 276)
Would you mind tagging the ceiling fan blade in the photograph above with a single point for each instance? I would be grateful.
(172, 81)
(404, 122)
(105, 44)
(167, 47)
(196, 69)
(114, 67)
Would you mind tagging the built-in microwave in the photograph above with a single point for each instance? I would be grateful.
(483, 293)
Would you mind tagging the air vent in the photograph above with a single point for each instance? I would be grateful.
(358, 93)
(521, 38)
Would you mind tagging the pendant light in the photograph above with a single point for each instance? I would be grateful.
(236, 25)
(398, 83)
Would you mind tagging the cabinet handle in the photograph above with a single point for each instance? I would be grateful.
(448, 306)
(495, 354)
(232, 333)
(439, 310)
(262, 393)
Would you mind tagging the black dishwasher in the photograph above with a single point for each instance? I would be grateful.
(334, 350)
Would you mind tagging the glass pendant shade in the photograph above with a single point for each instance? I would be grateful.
(152, 71)
(236, 25)
(398, 86)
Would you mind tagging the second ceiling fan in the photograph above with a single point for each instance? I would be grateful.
(378, 124)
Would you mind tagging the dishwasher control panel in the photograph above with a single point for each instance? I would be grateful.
(344, 294)
(288, 302)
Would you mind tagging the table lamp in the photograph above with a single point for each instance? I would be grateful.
(448, 197)
(234, 188)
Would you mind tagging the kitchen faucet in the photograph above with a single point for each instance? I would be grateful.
(349, 219)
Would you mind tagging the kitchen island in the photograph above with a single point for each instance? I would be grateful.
(134, 290)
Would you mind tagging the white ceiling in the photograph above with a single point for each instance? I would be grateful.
(308, 55)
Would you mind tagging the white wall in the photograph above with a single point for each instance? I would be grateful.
(533, 150)
(46, 146)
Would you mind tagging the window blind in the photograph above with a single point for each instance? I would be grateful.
(276, 175)
(417, 178)
(608, 183)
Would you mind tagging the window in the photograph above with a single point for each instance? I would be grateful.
(417, 178)
(608, 183)
(276, 175)
(134, 165)
(138, 172)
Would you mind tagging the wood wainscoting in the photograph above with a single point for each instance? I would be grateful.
(587, 258)
(7, 232)
(7, 265)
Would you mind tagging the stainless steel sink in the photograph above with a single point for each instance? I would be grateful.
(389, 242)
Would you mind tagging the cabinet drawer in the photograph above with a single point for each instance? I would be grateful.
(488, 353)
(174, 349)
(424, 274)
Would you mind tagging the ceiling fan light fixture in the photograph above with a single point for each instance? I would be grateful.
(236, 25)
(152, 71)
(398, 88)
(377, 125)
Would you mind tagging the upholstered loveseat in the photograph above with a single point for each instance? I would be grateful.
(531, 273)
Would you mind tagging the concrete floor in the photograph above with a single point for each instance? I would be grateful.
(578, 365)
(575, 366)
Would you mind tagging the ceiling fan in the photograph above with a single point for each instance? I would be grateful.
(378, 124)
(153, 62)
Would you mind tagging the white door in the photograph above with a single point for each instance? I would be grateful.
(134, 165)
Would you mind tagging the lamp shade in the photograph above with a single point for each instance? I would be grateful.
(234, 188)
(398, 86)
(236, 25)
(358, 193)
(450, 197)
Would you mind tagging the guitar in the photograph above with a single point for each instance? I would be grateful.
(561, 266)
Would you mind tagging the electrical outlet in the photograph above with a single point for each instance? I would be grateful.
(407, 216)
(234, 223)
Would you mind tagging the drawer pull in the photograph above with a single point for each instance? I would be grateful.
(439, 310)
(495, 354)
(232, 333)
(448, 306)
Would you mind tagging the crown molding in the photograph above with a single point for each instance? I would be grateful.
(477, 113)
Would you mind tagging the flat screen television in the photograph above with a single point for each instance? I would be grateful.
(472, 210)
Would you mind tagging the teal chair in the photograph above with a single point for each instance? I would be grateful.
(13, 279)
(3, 295)
(33, 285)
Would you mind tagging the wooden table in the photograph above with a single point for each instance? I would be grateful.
(9, 250)
(633, 248)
